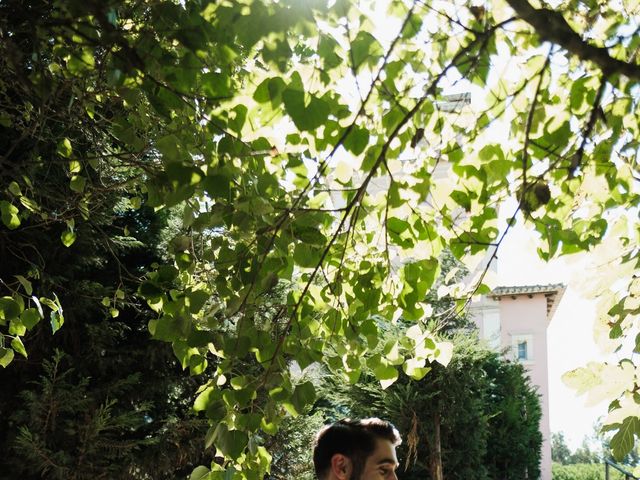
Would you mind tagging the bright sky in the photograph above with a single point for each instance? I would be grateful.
(570, 337)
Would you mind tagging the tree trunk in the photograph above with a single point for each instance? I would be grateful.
(435, 463)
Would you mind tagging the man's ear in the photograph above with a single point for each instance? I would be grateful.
(341, 467)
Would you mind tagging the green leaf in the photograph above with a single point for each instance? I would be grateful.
(327, 51)
(365, 49)
(239, 382)
(30, 318)
(26, 284)
(75, 166)
(169, 147)
(17, 328)
(309, 235)
(68, 237)
(18, 346)
(150, 290)
(230, 473)
(343, 173)
(237, 120)
(6, 356)
(9, 309)
(387, 374)
(200, 473)
(294, 106)
(216, 85)
(14, 189)
(196, 300)
(396, 226)
(357, 140)
(577, 95)
(217, 185)
(81, 61)
(5, 120)
(166, 274)
(444, 353)
(168, 328)
(205, 397)
(622, 442)
(392, 118)
(270, 90)
(303, 395)
(30, 204)
(64, 148)
(200, 338)
(9, 215)
(77, 183)
(601, 381)
(209, 437)
(307, 115)
(231, 442)
(49, 303)
(197, 364)
(416, 369)
(317, 112)
(307, 256)
(38, 305)
(57, 320)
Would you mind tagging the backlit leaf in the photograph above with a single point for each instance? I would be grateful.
(68, 238)
(18, 346)
(6, 356)
(9, 215)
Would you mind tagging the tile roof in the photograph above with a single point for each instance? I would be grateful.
(553, 292)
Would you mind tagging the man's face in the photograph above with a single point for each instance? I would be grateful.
(382, 463)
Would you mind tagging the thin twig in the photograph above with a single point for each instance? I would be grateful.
(527, 132)
(576, 161)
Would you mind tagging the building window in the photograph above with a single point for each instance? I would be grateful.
(522, 348)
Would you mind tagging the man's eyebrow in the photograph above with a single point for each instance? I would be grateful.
(387, 460)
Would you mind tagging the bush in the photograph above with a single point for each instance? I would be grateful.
(583, 471)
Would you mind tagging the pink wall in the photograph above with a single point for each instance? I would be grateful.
(527, 315)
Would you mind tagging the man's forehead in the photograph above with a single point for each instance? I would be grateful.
(385, 452)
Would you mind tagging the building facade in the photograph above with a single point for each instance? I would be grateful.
(514, 320)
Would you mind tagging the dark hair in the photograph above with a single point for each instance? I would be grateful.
(355, 439)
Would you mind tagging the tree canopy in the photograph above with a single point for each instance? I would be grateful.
(314, 148)
(478, 416)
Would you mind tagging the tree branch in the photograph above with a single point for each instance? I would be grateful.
(576, 161)
(550, 25)
(532, 109)
(352, 206)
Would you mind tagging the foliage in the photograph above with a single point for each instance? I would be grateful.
(65, 430)
(78, 243)
(114, 403)
(583, 471)
(49, 421)
(630, 462)
(291, 447)
(595, 449)
(514, 441)
(306, 146)
(115, 392)
(480, 412)
(585, 454)
(560, 452)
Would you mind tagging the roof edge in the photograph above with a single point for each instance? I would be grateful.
(553, 291)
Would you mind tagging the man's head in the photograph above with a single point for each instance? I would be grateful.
(356, 450)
